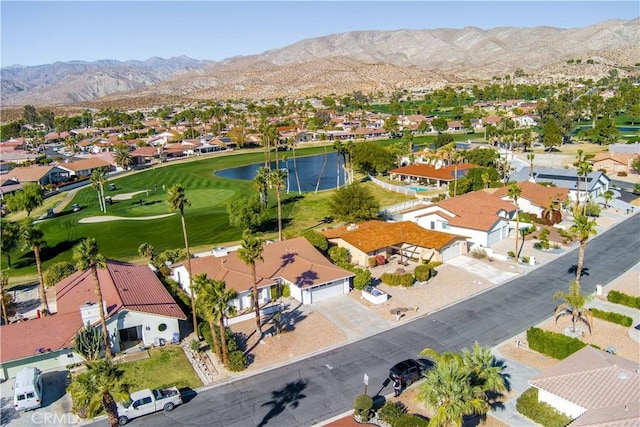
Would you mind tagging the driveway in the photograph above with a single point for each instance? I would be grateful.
(356, 320)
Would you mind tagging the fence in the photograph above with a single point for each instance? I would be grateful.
(394, 188)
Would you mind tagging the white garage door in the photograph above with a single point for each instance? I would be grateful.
(451, 252)
(326, 291)
(494, 237)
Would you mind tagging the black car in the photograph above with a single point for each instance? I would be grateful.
(409, 370)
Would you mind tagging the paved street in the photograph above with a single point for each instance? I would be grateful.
(324, 385)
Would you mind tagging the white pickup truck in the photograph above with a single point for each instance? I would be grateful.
(147, 401)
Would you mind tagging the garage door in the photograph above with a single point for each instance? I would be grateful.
(494, 237)
(326, 291)
(451, 252)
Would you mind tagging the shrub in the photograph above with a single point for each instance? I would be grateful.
(609, 316)
(391, 411)
(362, 406)
(511, 254)
(479, 253)
(537, 245)
(553, 344)
(372, 262)
(540, 412)
(205, 331)
(362, 279)
(622, 173)
(410, 420)
(381, 259)
(57, 272)
(592, 209)
(237, 361)
(286, 291)
(317, 239)
(624, 299)
(394, 279)
(338, 254)
(526, 259)
(423, 272)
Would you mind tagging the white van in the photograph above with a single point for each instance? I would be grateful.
(27, 389)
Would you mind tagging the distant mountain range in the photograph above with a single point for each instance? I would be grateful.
(339, 63)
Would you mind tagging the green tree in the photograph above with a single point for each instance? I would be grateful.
(248, 213)
(634, 114)
(250, 252)
(440, 124)
(551, 134)
(57, 272)
(205, 304)
(371, 158)
(354, 203)
(574, 306)
(608, 196)
(530, 157)
(122, 156)
(604, 132)
(87, 257)
(30, 115)
(98, 179)
(391, 125)
(583, 227)
(147, 250)
(514, 193)
(30, 197)
(33, 238)
(98, 389)
(4, 283)
(278, 179)
(10, 233)
(177, 202)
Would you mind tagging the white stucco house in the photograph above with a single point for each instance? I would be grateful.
(535, 198)
(294, 263)
(139, 310)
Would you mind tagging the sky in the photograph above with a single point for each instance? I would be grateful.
(43, 32)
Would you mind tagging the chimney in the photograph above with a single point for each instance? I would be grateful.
(90, 312)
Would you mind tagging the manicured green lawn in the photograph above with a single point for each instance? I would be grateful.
(167, 367)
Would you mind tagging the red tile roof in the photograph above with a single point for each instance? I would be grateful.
(477, 210)
(373, 235)
(294, 260)
(84, 164)
(444, 173)
(537, 194)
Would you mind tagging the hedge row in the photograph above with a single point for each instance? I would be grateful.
(542, 413)
(624, 299)
(394, 279)
(609, 316)
(553, 344)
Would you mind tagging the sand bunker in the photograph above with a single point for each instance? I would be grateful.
(127, 196)
(94, 219)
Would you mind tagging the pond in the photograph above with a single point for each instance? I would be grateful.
(327, 169)
(622, 129)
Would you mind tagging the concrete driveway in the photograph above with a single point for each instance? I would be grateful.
(56, 404)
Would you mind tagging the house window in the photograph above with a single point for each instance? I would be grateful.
(162, 327)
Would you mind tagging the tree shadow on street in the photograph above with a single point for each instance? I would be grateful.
(290, 395)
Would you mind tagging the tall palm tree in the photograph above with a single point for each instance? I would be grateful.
(250, 252)
(295, 165)
(10, 239)
(177, 201)
(4, 282)
(223, 309)
(206, 304)
(530, 157)
(278, 179)
(98, 178)
(33, 238)
(261, 184)
(574, 306)
(486, 372)
(448, 390)
(456, 157)
(87, 257)
(583, 227)
(514, 193)
(584, 169)
(99, 388)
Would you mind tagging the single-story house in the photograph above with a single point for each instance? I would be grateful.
(594, 387)
(372, 238)
(438, 175)
(138, 308)
(41, 174)
(85, 167)
(596, 182)
(295, 262)
(612, 162)
(535, 198)
(479, 216)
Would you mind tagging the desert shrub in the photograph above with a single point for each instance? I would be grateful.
(622, 173)
(391, 411)
(511, 254)
(624, 299)
(592, 209)
(57, 272)
(317, 239)
(362, 406)
(395, 279)
(526, 259)
(338, 254)
(542, 413)
(612, 317)
(423, 272)
(372, 262)
(237, 361)
(544, 238)
(362, 279)
(537, 245)
(410, 420)
(553, 344)
(479, 253)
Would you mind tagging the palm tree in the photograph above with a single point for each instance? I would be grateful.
(486, 179)
(177, 201)
(514, 193)
(10, 233)
(584, 169)
(295, 166)
(4, 282)
(486, 371)
(448, 390)
(456, 157)
(261, 183)
(98, 388)
(147, 251)
(33, 238)
(278, 179)
(206, 304)
(608, 196)
(530, 157)
(98, 178)
(249, 253)
(223, 309)
(122, 157)
(88, 257)
(583, 228)
(574, 305)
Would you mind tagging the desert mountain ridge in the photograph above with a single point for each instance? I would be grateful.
(368, 61)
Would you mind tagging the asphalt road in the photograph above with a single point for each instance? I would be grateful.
(314, 389)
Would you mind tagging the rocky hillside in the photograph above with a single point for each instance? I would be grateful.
(339, 63)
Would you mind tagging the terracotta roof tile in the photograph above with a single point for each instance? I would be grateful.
(84, 164)
(444, 173)
(537, 194)
(477, 210)
(372, 235)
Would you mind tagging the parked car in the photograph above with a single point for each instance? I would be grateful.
(75, 207)
(410, 370)
(147, 401)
